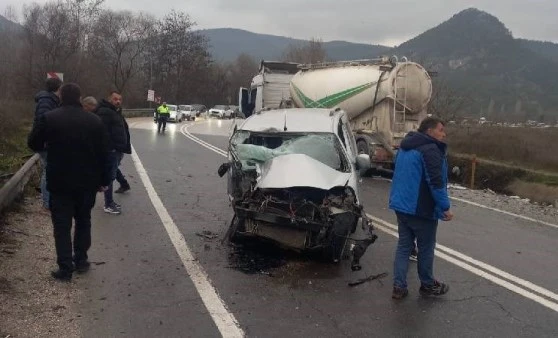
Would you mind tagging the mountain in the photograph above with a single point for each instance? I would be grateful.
(476, 54)
(544, 48)
(227, 43)
(7, 25)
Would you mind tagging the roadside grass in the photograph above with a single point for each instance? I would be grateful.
(16, 120)
(529, 148)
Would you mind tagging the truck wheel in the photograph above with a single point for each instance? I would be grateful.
(363, 147)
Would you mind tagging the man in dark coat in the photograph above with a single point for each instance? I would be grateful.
(76, 170)
(46, 100)
(119, 143)
(419, 198)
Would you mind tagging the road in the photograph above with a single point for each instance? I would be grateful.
(154, 275)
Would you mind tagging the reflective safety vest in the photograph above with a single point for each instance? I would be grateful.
(163, 110)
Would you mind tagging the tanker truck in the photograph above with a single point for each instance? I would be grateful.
(384, 98)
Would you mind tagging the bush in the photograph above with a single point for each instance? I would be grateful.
(16, 119)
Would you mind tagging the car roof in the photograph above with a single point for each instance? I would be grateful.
(297, 120)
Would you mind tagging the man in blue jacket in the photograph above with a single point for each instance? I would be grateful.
(46, 100)
(419, 198)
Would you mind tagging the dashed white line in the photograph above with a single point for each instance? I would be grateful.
(224, 320)
(521, 287)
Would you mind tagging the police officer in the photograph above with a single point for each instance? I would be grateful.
(163, 113)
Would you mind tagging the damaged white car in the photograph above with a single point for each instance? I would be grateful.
(293, 179)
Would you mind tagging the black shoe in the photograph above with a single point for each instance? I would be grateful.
(436, 289)
(63, 275)
(122, 189)
(83, 266)
(399, 293)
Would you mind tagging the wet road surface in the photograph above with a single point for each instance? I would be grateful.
(501, 269)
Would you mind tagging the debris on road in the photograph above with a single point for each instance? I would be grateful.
(368, 279)
(207, 234)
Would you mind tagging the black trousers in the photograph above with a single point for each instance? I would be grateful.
(162, 121)
(64, 208)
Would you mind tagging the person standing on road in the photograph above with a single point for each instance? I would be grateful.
(119, 143)
(90, 105)
(76, 169)
(419, 198)
(163, 114)
(46, 100)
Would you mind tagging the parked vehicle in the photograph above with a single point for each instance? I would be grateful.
(186, 112)
(293, 178)
(198, 109)
(219, 111)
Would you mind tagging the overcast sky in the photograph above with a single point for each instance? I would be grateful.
(369, 21)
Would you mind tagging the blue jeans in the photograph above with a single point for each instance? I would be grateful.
(45, 196)
(424, 231)
(114, 159)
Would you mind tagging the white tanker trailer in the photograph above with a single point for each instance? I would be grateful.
(384, 98)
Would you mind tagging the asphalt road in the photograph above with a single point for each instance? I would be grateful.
(156, 276)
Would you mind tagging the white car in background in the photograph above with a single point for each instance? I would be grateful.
(186, 112)
(174, 114)
(218, 111)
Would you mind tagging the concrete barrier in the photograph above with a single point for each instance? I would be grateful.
(15, 186)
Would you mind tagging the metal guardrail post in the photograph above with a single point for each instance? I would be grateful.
(15, 186)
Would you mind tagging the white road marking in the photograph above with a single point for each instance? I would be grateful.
(506, 212)
(482, 265)
(224, 319)
(489, 208)
(494, 279)
(492, 274)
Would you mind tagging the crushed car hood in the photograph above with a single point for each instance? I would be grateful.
(299, 170)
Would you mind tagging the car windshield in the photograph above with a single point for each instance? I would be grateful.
(255, 148)
(185, 108)
(172, 108)
(220, 107)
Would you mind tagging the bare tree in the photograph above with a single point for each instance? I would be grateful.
(447, 102)
(120, 39)
(310, 52)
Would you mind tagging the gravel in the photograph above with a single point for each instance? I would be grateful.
(513, 204)
(32, 304)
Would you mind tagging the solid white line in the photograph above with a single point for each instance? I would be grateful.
(505, 212)
(489, 208)
(185, 132)
(533, 287)
(486, 275)
(445, 252)
(224, 320)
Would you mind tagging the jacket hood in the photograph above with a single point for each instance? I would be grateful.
(43, 94)
(415, 139)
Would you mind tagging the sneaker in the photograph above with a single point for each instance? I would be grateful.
(122, 189)
(436, 289)
(83, 266)
(117, 206)
(62, 275)
(112, 209)
(399, 293)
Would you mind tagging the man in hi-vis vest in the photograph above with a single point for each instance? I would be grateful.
(163, 114)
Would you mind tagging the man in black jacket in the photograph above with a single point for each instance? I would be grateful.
(119, 143)
(46, 100)
(76, 170)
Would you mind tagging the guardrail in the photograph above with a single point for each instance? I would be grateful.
(15, 186)
(138, 112)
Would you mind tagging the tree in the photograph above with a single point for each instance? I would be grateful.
(447, 102)
(120, 39)
(310, 52)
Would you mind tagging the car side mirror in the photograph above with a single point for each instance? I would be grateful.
(223, 169)
(363, 162)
